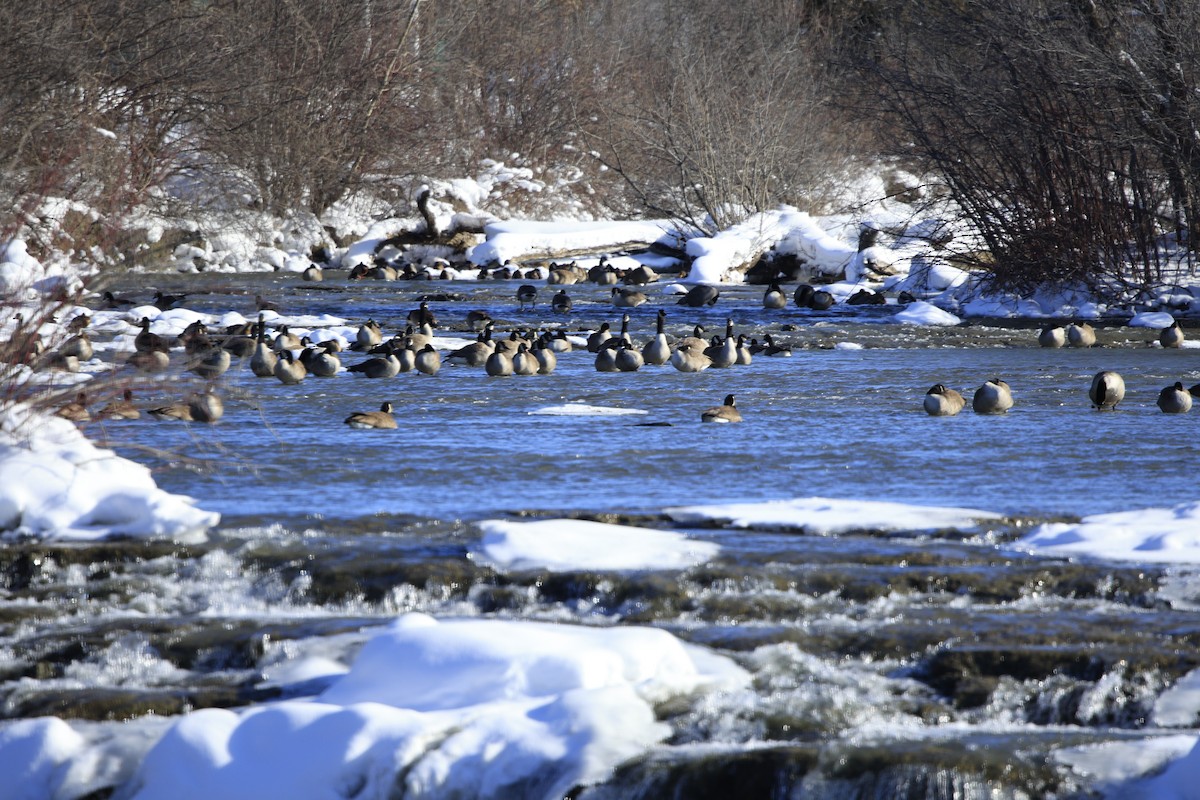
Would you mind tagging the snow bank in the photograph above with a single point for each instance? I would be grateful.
(521, 240)
(56, 484)
(460, 708)
(922, 313)
(1152, 535)
(821, 515)
(564, 544)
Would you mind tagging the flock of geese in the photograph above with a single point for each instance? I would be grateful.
(290, 359)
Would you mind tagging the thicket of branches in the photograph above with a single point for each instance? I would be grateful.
(1065, 129)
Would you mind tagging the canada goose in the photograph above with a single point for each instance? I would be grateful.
(723, 413)
(240, 345)
(723, 353)
(76, 410)
(510, 345)
(1168, 337)
(943, 402)
(60, 363)
(406, 356)
(368, 335)
(994, 397)
(149, 360)
(146, 341)
(627, 298)
(286, 340)
(194, 338)
(866, 297)
(262, 304)
(79, 346)
(606, 359)
(640, 276)
(428, 360)
(110, 300)
(547, 360)
(422, 336)
(211, 363)
(288, 370)
(774, 349)
(383, 272)
(175, 411)
(499, 365)
(696, 340)
(688, 358)
(803, 296)
(476, 353)
(381, 419)
(699, 295)
(628, 359)
(596, 340)
(527, 293)
(525, 362)
(774, 298)
(821, 300)
(312, 273)
(165, 301)
(479, 319)
(1174, 400)
(319, 361)
(262, 362)
(422, 316)
(78, 323)
(744, 356)
(615, 341)
(559, 343)
(561, 302)
(561, 276)
(120, 409)
(1108, 389)
(379, 367)
(1081, 335)
(206, 407)
(603, 273)
(657, 351)
(1053, 336)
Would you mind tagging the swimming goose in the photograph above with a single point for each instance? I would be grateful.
(422, 316)
(210, 364)
(524, 362)
(561, 302)
(381, 419)
(1174, 399)
(286, 340)
(606, 359)
(1081, 335)
(110, 300)
(240, 345)
(261, 304)
(498, 365)
(1052, 336)
(206, 407)
(166, 301)
(175, 411)
(700, 295)
(476, 353)
(1108, 389)
(657, 351)
(149, 360)
(744, 356)
(320, 361)
(723, 413)
(76, 410)
(262, 363)
(510, 345)
(120, 409)
(596, 340)
(288, 370)
(627, 298)
(943, 402)
(1170, 337)
(428, 360)
(629, 359)
(379, 367)
(312, 273)
(994, 397)
(368, 335)
(774, 298)
(527, 293)
(723, 353)
(688, 358)
(803, 296)
(774, 349)
(479, 319)
(559, 343)
(420, 337)
(547, 360)
(146, 341)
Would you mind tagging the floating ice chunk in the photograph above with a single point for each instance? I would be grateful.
(825, 516)
(922, 313)
(1154, 535)
(584, 410)
(565, 544)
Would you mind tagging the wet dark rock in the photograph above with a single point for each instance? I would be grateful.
(762, 773)
(123, 704)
